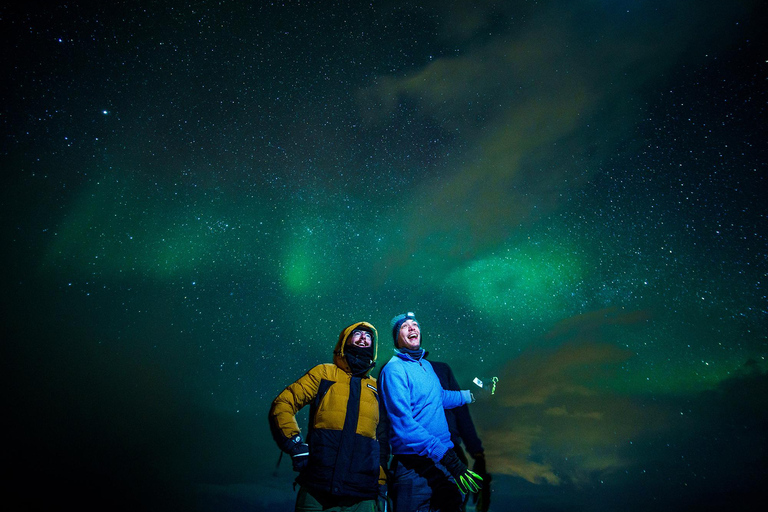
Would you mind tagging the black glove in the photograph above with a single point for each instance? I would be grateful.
(299, 452)
(381, 501)
(467, 480)
(479, 465)
(482, 499)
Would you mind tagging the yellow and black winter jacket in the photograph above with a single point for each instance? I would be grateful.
(344, 414)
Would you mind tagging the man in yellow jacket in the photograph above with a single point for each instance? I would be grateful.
(338, 461)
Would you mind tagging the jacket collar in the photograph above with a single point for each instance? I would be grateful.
(411, 355)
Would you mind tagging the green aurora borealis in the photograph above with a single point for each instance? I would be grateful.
(569, 195)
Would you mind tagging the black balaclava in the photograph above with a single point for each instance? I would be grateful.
(359, 359)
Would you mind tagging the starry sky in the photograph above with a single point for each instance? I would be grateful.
(198, 196)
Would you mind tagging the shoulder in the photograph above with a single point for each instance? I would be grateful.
(438, 365)
(393, 365)
(441, 368)
(323, 367)
(325, 371)
(392, 361)
(398, 371)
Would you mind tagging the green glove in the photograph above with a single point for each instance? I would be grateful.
(467, 480)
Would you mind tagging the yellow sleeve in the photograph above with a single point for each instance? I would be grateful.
(282, 414)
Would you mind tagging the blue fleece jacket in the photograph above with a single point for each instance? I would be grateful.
(415, 403)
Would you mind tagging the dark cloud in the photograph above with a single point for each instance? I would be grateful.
(557, 420)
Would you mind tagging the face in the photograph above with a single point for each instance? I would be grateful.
(409, 335)
(360, 338)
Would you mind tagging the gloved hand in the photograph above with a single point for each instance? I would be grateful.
(384, 479)
(479, 465)
(299, 452)
(381, 501)
(482, 500)
(467, 480)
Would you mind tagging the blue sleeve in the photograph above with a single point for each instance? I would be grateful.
(452, 399)
(452, 396)
(397, 401)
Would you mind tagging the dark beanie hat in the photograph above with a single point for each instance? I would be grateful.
(398, 321)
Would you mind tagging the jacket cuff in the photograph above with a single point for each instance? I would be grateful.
(439, 453)
(289, 446)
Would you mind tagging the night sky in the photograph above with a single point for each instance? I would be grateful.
(569, 194)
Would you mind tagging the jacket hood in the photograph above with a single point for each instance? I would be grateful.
(339, 358)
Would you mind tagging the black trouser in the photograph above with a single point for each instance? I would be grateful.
(420, 485)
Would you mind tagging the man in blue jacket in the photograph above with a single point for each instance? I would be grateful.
(427, 473)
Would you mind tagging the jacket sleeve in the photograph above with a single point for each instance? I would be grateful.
(452, 399)
(282, 414)
(396, 394)
(464, 423)
(467, 431)
(452, 394)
